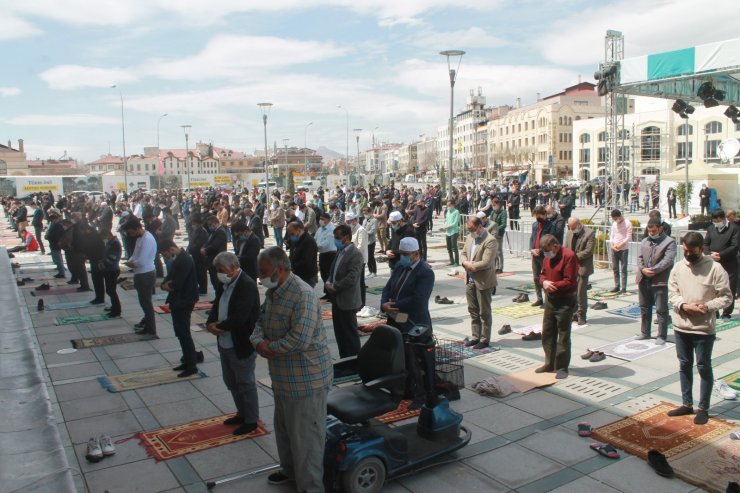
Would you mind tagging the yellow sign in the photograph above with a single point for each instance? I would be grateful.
(222, 180)
(202, 184)
(32, 185)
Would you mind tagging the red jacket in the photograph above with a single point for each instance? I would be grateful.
(563, 271)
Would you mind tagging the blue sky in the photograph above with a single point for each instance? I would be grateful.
(208, 64)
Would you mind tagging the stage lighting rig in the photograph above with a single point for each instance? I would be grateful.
(733, 114)
(682, 108)
(710, 95)
(607, 77)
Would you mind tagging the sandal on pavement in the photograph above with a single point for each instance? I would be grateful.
(587, 354)
(584, 429)
(606, 450)
(597, 356)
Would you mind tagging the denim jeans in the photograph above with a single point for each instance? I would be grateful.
(452, 248)
(278, 232)
(686, 346)
(619, 266)
(56, 257)
(650, 295)
(238, 375)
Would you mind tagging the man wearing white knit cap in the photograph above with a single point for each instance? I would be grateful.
(400, 229)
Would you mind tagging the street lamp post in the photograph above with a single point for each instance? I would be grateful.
(187, 128)
(357, 138)
(265, 107)
(305, 149)
(159, 155)
(285, 160)
(346, 163)
(453, 76)
(123, 138)
(686, 166)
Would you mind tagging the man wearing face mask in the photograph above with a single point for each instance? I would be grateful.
(232, 319)
(247, 249)
(498, 229)
(327, 249)
(580, 239)
(182, 288)
(277, 221)
(721, 244)
(698, 287)
(558, 223)
(704, 195)
(559, 279)
(344, 291)
(479, 262)
(290, 334)
(399, 230)
(540, 228)
(303, 253)
(620, 236)
(654, 264)
(359, 239)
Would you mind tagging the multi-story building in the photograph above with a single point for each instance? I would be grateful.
(297, 159)
(653, 140)
(408, 162)
(106, 164)
(465, 136)
(14, 162)
(426, 152)
(538, 138)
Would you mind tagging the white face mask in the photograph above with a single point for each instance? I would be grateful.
(549, 254)
(268, 282)
(224, 278)
(720, 226)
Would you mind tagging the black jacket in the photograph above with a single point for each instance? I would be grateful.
(184, 282)
(303, 257)
(216, 243)
(244, 310)
(404, 231)
(247, 251)
(54, 234)
(725, 242)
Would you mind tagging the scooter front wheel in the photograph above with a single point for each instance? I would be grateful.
(367, 476)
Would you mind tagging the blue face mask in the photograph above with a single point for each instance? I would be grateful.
(339, 244)
(405, 261)
(293, 238)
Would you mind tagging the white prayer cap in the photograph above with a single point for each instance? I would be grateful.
(480, 214)
(395, 216)
(409, 244)
(350, 216)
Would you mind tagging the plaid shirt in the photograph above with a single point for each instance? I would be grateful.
(291, 319)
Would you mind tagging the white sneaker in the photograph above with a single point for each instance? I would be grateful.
(106, 445)
(723, 390)
(659, 341)
(94, 452)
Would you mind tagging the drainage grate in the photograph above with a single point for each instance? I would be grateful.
(637, 404)
(593, 389)
(502, 362)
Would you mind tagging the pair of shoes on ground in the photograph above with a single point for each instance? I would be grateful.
(521, 298)
(559, 374)
(532, 336)
(242, 427)
(599, 305)
(141, 329)
(538, 303)
(185, 371)
(505, 329)
(443, 301)
(99, 448)
(43, 287)
(594, 356)
(701, 418)
(476, 344)
(721, 389)
(659, 341)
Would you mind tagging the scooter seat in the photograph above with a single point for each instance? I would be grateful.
(358, 403)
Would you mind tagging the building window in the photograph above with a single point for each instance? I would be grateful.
(711, 149)
(602, 155)
(584, 138)
(650, 144)
(584, 156)
(681, 150)
(624, 134)
(602, 136)
(713, 128)
(682, 129)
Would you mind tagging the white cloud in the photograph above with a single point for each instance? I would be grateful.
(46, 151)
(67, 77)
(12, 27)
(6, 92)
(648, 27)
(70, 120)
(474, 37)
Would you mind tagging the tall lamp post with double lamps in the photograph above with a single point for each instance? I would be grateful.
(265, 107)
(123, 138)
(453, 76)
(305, 149)
(187, 128)
(159, 155)
(357, 138)
(346, 163)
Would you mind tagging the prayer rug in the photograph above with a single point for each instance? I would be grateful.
(367, 328)
(519, 310)
(375, 290)
(326, 315)
(630, 350)
(710, 466)
(537, 328)
(143, 378)
(523, 288)
(526, 380)
(54, 292)
(733, 380)
(653, 429)
(457, 276)
(37, 280)
(69, 305)
(453, 351)
(631, 311)
(399, 414)
(608, 295)
(179, 440)
(107, 340)
(37, 269)
(200, 305)
(722, 326)
(83, 319)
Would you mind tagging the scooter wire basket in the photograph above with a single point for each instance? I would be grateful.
(448, 362)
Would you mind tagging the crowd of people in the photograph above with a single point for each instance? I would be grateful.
(336, 237)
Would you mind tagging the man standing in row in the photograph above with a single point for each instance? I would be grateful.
(324, 237)
(303, 253)
(145, 277)
(721, 244)
(478, 255)
(580, 240)
(498, 228)
(654, 264)
(540, 228)
(620, 236)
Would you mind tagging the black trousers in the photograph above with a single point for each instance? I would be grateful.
(345, 331)
(76, 265)
(111, 284)
(422, 237)
(372, 266)
(556, 325)
(98, 280)
(217, 286)
(731, 270)
(201, 273)
(37, 230)
(181, 324)
(325, 261)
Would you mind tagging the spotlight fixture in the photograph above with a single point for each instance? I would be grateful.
(733, 114)
(606, 76)
(709, 95)
(682, 108)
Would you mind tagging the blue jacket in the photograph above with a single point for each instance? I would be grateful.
(548, 228)
(413, 298)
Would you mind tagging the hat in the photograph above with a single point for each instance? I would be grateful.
(409, 244)
(483, 193)
(53, 211)
(480, 214)
(350, 216)
(103, 203)
(395, 216)
(325, 215)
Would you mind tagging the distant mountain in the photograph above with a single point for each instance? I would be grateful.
(328, 154)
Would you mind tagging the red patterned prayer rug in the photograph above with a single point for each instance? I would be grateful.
(179, 440)
(370, 326)
(653, 429)
(402, 412)
(200, 305)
